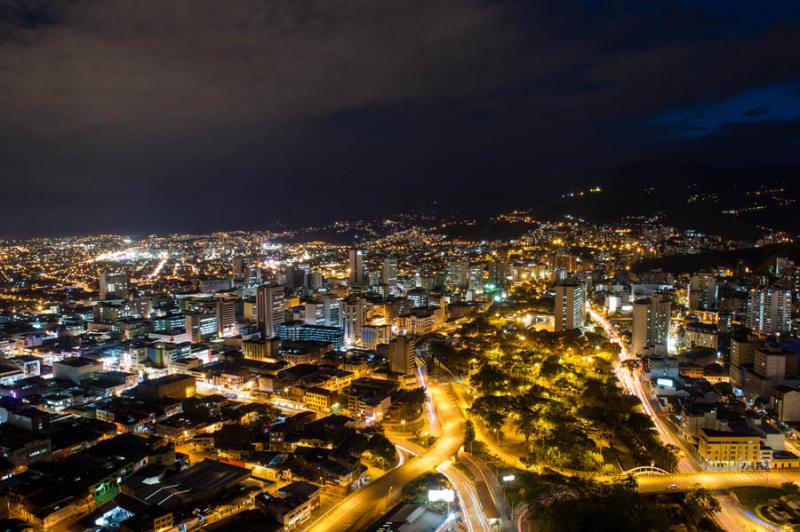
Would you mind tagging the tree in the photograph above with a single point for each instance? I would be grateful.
(454, 359)
(383, 449)
(487, 405)
(699, 504)
(411, 404)
(790, 489)
(560, 503)
(551, 367)
(631, 364)
(469, 434)
(490, 379)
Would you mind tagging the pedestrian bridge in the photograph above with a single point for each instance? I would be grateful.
(645, 471)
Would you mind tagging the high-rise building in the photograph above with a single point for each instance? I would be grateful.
(770, 310)
(269, 305)
(374, 335)
(570, 308)
(389, 273)
(783, 266)
(315, 281)
(201, 325)
(255, 275)
(295, 277)
(331, 310)
(559, 260)
(226, 317)
(299, 331)
(238, 267)
(401, 355)
(260, 349)
(458, 274)
(374, 278)
(357, 267)
(325, 311)
(476, 279)
(775, 363)
(703, 292)
(651, 322)
(353, 312)
(742, 350)
(497, 273)
(419, 297)
(113, 285)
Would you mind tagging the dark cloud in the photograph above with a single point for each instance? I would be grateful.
(199, 114)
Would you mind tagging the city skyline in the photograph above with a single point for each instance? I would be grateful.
(425, 265)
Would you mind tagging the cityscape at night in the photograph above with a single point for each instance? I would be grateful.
(399, 266)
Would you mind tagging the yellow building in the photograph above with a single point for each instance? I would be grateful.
(318, 399)
(720, 450)
(785, 460)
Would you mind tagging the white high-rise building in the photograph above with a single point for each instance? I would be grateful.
(113, 285)
(269, 305)
(458, 274)
(703, 292)
(652, 317)
(389, 273)
(570, 308)
(770, 310)
(353, 313)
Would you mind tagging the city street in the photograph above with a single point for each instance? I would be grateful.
(715, 480)
(358, 509)
(731, 517)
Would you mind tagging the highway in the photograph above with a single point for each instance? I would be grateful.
(471, 509)
(481, 471)
(731, 517)
(715, 480)
(357, 510)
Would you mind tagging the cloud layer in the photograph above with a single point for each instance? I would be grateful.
(192, 115)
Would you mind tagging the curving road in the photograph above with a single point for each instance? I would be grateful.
(357, 510)
(731, 517)
(471, 508)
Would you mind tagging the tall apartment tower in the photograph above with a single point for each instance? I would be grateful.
(497, 273)
(238, 267)
(401, 355)
(651, 321)
(703, 292)
(770, 310)
(357, 267)
(269, 306)
(458, 274)
(201, 325)
(743, 350)
(113, 285)
(226, 317)
(353, 314)
(570, 309)
(389, 273)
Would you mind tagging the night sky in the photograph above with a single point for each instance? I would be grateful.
(137, 115)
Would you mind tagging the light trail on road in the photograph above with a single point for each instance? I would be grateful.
(364, 505)
(158, 269)
(471, 508)
(732, 517)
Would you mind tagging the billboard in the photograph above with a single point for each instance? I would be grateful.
(441, 496)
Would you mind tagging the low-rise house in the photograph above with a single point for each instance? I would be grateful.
(292, 505)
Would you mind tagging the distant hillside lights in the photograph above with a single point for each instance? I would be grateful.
(580, 192)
